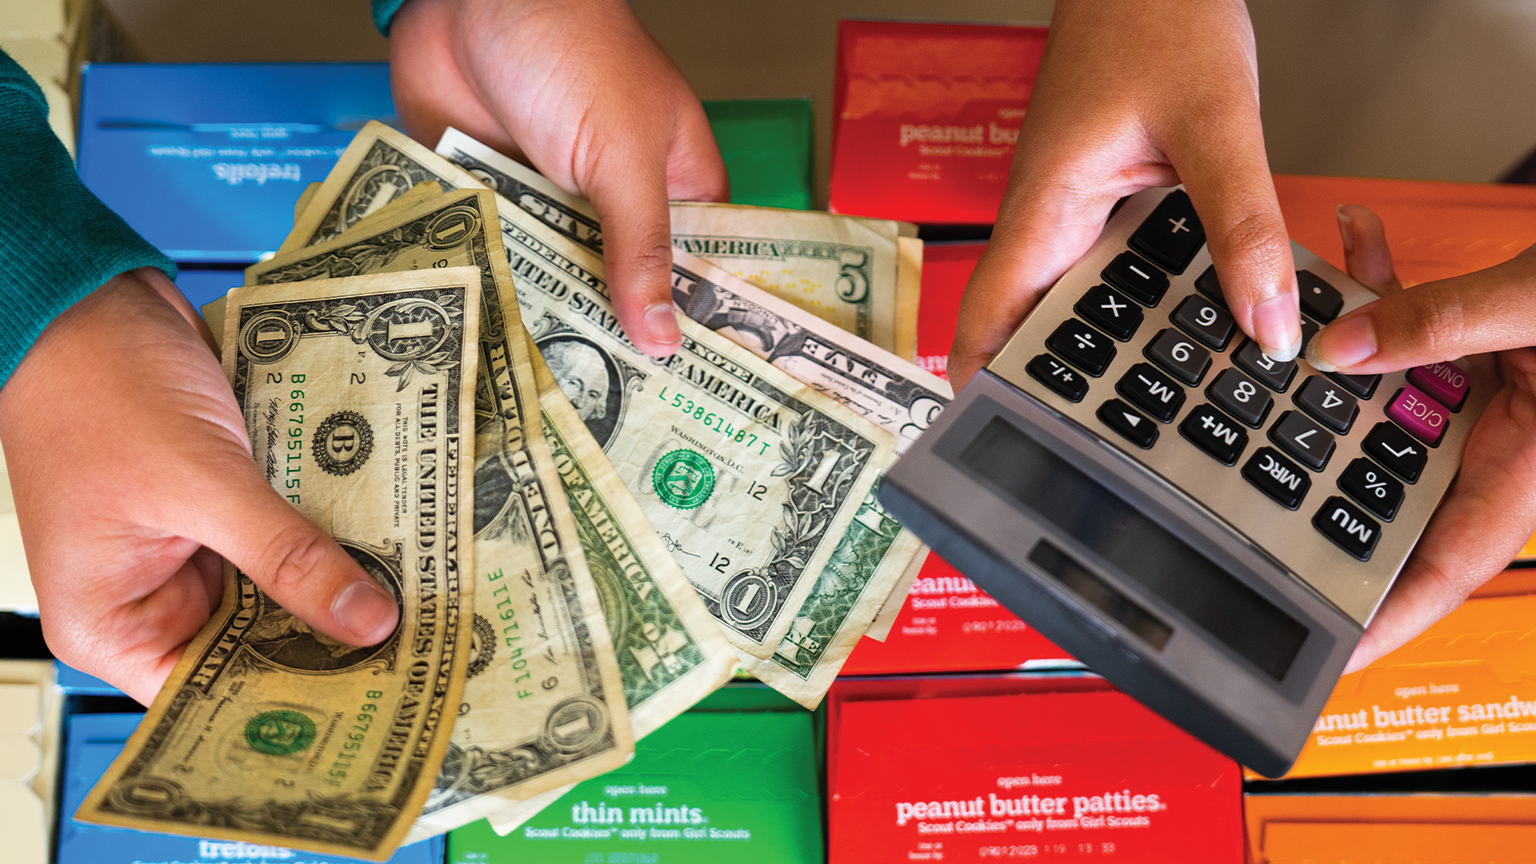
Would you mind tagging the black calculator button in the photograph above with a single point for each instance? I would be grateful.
(1152, 391)
(1171, 235)
(1318, 299)
(1401, 453)
(1360, 385)
(1215, 433)
(1310, 443)
(1056, 375)
(1110, 311)
(1123, 419)
(1369, 483)
(1236, 394)
(1209, 285)
(1348, 526)
(1327, 402)
(1082, 346)
(1179, 355)
(1277, 477)
(1309, 329)
(1271, 373)
(1205, 321)
(1137, 278)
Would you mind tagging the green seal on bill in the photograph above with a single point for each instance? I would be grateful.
(683, 479)
(279, 733)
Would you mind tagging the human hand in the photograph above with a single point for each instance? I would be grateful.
(1134, 94)
(580, 90)
(132, 473)
(1490, 511)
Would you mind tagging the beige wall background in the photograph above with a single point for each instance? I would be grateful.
(1425, 89)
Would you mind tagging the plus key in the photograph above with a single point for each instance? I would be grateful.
(1172, 235)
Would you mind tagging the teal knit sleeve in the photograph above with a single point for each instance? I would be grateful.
(58, 242)
(383, 11)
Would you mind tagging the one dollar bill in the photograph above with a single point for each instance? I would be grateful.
(863, 275)
(670, 651)
(358, 395)
(749, 475)
(876, 553)
(543, 706)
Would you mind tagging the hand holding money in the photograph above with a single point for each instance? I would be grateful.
(584, 93)
(132, 474)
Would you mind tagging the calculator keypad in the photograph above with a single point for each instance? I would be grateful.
(1056, 375)
(1363, 386)
(1348, 526)
(1397, 450)
(1423, 417)
(1082, 346)
(1180, 355)
(1215, 433)
(1278, 477)
(1271, 373)
(1443, 382)
(1110, 311)
(1137, 278)
(1123, 419)
(1237, 394)
(1297, 435)
(1205, 321)
(1171, 235)
(1328, 403)
(1322, 417)
(1369, 484)
(1151, 391)
(1319, 300)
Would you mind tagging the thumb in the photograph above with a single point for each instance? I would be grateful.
(1042, 230)
(297, 564)
(629, 193)
(1440, 321)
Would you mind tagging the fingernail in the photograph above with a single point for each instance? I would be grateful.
(661, 325)
(366, 611)
(1277, 326)
(1346, 229)
(1343, 344)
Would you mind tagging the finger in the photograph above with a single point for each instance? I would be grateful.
(1367, 258)
(1489, 514)
(695, 170)
(134, 645)
(298, 565)
(1220, 157)
(429, 88)
(628, 188)
(1482, 312)
(1041, 232)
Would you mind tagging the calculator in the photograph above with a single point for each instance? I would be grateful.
(1208, 528)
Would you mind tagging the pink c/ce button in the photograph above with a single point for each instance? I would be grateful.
(1423, 417)
(1446, 383)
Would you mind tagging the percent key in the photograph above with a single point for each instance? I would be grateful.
(1372, 487)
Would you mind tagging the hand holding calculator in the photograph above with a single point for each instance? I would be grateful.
(1207, 527)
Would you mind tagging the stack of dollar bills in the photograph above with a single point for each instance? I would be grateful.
(584, 540)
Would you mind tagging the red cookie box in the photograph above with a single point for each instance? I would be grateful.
(1089, 774)
(948, 624)
(926, 117)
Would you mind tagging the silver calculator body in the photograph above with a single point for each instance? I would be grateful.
(1208, 529)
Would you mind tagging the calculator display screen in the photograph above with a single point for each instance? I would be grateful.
(1139, 548)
